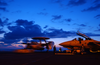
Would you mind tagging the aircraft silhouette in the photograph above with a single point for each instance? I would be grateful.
(30, 47)
(39, 45)
(88, 44)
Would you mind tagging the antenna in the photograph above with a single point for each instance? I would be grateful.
(83, 35)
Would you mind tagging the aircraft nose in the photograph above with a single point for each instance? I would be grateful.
(61, 44)
(65, 44)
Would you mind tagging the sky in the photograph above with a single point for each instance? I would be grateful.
(57, 19)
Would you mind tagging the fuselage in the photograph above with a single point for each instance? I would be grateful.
(38, 46)
(76, 44)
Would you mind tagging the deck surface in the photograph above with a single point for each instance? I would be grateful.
(44, 58)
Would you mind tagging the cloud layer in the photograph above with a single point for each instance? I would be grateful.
(92, 8)
(25, 28)
(2, 5)
(97, 16)
(76, 2)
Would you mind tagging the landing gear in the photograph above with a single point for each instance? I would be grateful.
(82, 50)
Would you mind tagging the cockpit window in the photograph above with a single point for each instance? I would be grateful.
(80, 39)
(87, 38)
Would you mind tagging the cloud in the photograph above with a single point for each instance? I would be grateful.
(59, 17)
(97, 30)
(3, 8)
(68, 20)
(3, 3)
(76, 2)
(92, 34)
(9, 41)
(97, 16)
(92, 8)
(56, 17)
(58, 33)
(24, 23)
(10, 0)
(41, 13)
(83, 25)
(1, 23)
(46, 26)
(99, 24)
(57, 1)
(23, 29)
(1, 31)
(96, 6)
(5, 22)
(96, 1)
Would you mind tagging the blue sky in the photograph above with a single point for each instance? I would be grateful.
(57, 19)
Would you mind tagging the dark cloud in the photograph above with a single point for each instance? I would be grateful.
(5, 22)
(41, 13)
(76, 2)
(92, 34)
(99, 24)
(56, 17)
(46, 26)
(59, 33)
(1, 31)
(97, 30)
(1, 23)
(23, 29)
(83, 25)
(59, 17)
(26, 28)
(3, 8)
(3, 3)
(96, 1)
(11, 0)
(92, 8)
(68, 20)
(57, 1)
(97, 16)
(10, 41)
(24, 22)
